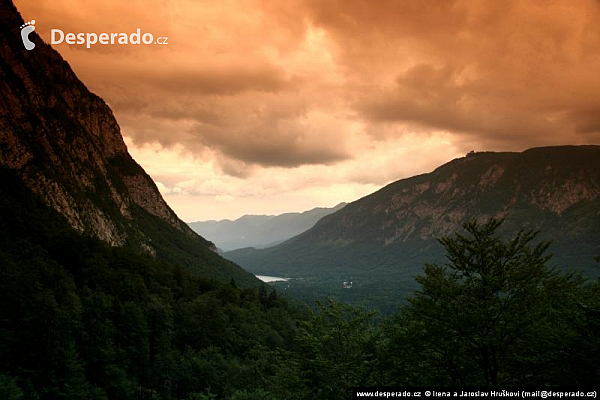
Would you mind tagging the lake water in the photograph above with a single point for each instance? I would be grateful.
(265, 278)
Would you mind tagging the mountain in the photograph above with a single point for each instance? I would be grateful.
(382, 240)
(259, 231)
(104, 292)
(64, 144)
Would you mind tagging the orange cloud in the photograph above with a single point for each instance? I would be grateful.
(341, 92)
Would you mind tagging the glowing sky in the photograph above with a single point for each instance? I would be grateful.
(264, 107)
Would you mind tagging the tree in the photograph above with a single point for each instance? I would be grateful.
(492, 314)
(585, 347)
(338, 347)
(9, 390)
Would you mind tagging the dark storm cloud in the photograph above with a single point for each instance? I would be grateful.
(282, 143)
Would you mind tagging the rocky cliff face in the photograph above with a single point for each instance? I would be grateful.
(527, 188)
(381, 242)
(555, 190)
(66, 144)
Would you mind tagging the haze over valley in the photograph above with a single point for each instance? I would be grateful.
(259, 231)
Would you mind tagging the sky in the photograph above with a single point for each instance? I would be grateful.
(265, 107)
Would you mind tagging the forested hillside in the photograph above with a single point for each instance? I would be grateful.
(106, 294)
(381, 241)
(65, 144)
(82, 320)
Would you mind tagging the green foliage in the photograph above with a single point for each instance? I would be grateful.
(9, 390)
(584, 345)
(338, 347)
(494, 314)
(81, 320)
(188, 250)
(258, 394)
(380, 242)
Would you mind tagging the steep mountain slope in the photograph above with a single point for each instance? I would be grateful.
(259, 231)
(65, 144)
(383, 239)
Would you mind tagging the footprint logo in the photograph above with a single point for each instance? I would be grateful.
(26, 29)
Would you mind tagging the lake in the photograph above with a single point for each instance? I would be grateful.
(265, 278)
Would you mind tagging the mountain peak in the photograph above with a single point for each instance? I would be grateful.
(385, 237)
(260, 231)
(65, 144)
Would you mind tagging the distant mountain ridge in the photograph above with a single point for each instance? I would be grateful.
(64, 143)
(383, 239)
(259, 231)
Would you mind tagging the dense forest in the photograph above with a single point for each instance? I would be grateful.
(82, 320)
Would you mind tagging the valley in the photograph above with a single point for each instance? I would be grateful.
(382, 241)
(447, 271)
(259, 231)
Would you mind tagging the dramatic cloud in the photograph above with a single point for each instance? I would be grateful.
(271, 106)
(512, 74)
